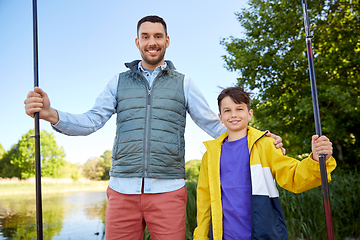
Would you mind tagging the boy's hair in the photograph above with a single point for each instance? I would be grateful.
(237, 94)
(153, 19)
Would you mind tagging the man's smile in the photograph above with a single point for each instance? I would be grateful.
(153, 51)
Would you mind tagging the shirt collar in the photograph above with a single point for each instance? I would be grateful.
(159, 68)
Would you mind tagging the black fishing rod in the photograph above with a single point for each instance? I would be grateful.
(324, 179)
(39, 223)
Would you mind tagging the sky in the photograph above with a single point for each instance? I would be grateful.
(82, 44)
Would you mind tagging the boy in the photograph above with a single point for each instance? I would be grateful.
(237, 196)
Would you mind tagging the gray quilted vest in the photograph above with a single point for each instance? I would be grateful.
(150, 125)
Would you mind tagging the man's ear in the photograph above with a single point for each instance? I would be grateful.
(167, 41)
(137, 43)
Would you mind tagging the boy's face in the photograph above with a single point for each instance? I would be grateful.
(235, 117)
(152, 43)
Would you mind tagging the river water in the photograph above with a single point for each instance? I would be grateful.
(67, 216)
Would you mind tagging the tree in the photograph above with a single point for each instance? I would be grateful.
(22, 156)
(98, 168)
(92, 169)
(2, 151)
(271, 59)
(106, 163)
(7, 169)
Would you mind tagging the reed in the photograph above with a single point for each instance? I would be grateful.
(304, 212)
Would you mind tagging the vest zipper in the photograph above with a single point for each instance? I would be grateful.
(148, 122)
(147, 130)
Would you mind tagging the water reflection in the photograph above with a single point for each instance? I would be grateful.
(65, 216)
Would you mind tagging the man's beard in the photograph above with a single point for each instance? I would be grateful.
(152, 61)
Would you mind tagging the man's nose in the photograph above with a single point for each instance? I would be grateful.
(152, 41)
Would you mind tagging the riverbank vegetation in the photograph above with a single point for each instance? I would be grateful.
(19, 161)
(16, 186)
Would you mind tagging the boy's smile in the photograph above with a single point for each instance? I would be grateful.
(235, 117)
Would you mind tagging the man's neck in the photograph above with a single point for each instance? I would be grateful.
(149, 66)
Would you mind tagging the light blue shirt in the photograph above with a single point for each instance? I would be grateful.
(105, 106)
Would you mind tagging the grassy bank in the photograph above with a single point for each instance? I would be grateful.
(49, 185)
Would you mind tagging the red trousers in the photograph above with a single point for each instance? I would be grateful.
(163, 213)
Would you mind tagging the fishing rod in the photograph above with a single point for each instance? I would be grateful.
(324, 179)
(39, 223)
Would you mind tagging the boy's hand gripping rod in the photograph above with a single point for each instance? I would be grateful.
(324, 179)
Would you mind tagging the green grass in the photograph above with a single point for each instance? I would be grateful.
(304, 212)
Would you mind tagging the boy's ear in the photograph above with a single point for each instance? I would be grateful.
(251, 112)
(220, 118)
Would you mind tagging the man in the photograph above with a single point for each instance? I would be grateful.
(147, 185)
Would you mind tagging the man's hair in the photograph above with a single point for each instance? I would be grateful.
(237, 94)
(153, 19)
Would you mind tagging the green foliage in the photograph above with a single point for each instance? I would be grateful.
(98, 168)
(106, 163)
(19, 161)
(92, 169)
(271, 58)
(76, 172)
(7, 169)
(192, 170)
(304, 212)
(70, 170)
(2, 151)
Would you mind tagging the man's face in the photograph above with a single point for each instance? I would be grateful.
(152, 42)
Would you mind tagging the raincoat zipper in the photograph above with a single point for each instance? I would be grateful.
(251, 184)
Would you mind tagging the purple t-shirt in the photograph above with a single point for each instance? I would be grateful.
(236, 189)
